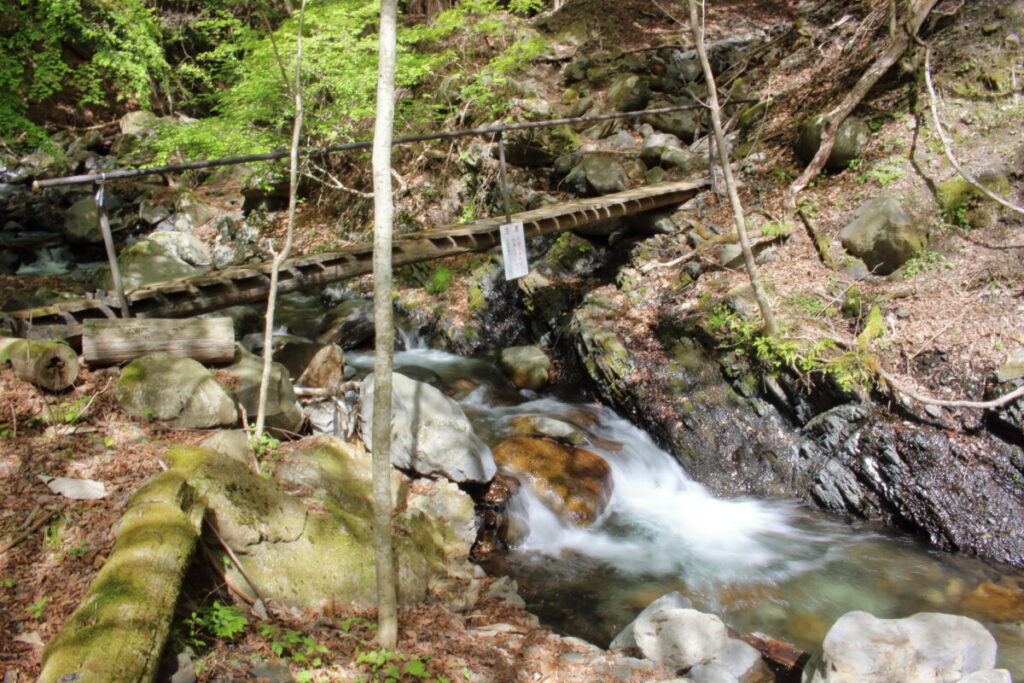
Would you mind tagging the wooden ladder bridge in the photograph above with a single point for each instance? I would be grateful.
(213, 291)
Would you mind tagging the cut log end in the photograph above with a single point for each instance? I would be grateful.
(49, 365)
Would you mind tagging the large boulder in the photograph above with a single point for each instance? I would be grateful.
(629, 92)
(924, 647)
(883, 235)
(674, 600)
(429, 432)
(304, 559)
(282, 409)
(597, 174)
(680, 638)
(573, 482)
(178, 391)
(851, 138)
(527, 366)
(148, 261)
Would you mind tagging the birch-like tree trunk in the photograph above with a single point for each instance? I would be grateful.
(383, 314)
(697, 26)
(279, 257)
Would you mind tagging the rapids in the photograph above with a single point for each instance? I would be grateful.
(773, 566)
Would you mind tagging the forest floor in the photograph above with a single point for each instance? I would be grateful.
(950, 323)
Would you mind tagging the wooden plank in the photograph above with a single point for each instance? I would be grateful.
(109, 342)
(169, 300)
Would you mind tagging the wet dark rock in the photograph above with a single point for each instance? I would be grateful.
(349, 324)
(739, 434)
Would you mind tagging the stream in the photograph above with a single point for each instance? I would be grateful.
(772, 566)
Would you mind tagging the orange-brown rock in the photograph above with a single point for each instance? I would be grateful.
(573, 482)
(1002, 601)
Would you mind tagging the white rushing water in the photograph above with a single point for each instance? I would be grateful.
(660, 522)
(767, 565)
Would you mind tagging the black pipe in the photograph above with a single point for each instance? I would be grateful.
(365, 144)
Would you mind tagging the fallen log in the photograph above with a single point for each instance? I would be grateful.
(108, 341)
(46, 364)
(119, 629)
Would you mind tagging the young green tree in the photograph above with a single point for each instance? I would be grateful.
(383, 213)
(280, 256)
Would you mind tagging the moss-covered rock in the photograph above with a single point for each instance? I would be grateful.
(148, 261)
(305, 557)
(851, 138)
(965, 205)
(178, 391)
(119, 629)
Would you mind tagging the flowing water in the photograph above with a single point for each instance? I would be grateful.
(762, 565)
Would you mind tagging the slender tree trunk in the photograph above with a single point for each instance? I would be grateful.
(279, 257)
(387, 627)
(697, 26)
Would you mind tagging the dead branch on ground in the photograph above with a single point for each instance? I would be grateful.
(933, 102)
(894, 49)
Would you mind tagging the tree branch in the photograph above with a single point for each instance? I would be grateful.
(933, 103)
(895, 48)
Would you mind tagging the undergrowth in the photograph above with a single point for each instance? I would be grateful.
(851, 367)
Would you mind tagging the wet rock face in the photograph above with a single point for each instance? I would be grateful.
(962, 492)
(573, 482)
(730, 443)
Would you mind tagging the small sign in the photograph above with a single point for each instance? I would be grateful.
(513, 250)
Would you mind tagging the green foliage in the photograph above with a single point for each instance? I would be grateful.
(66, 412)
(386, 666)
(890, 170)
(926, 261)
(813, 306)
(263, 445)
(86, 47)
(294, 645)
(773, 228)
(38, 608)
(214, 621)
(7, 582)
(849, 369)
(440, 280)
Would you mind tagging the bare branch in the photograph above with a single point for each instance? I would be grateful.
(933, 102)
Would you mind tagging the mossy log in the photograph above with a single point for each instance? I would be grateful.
(119, 629)
(108, 341)
(46, 364)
